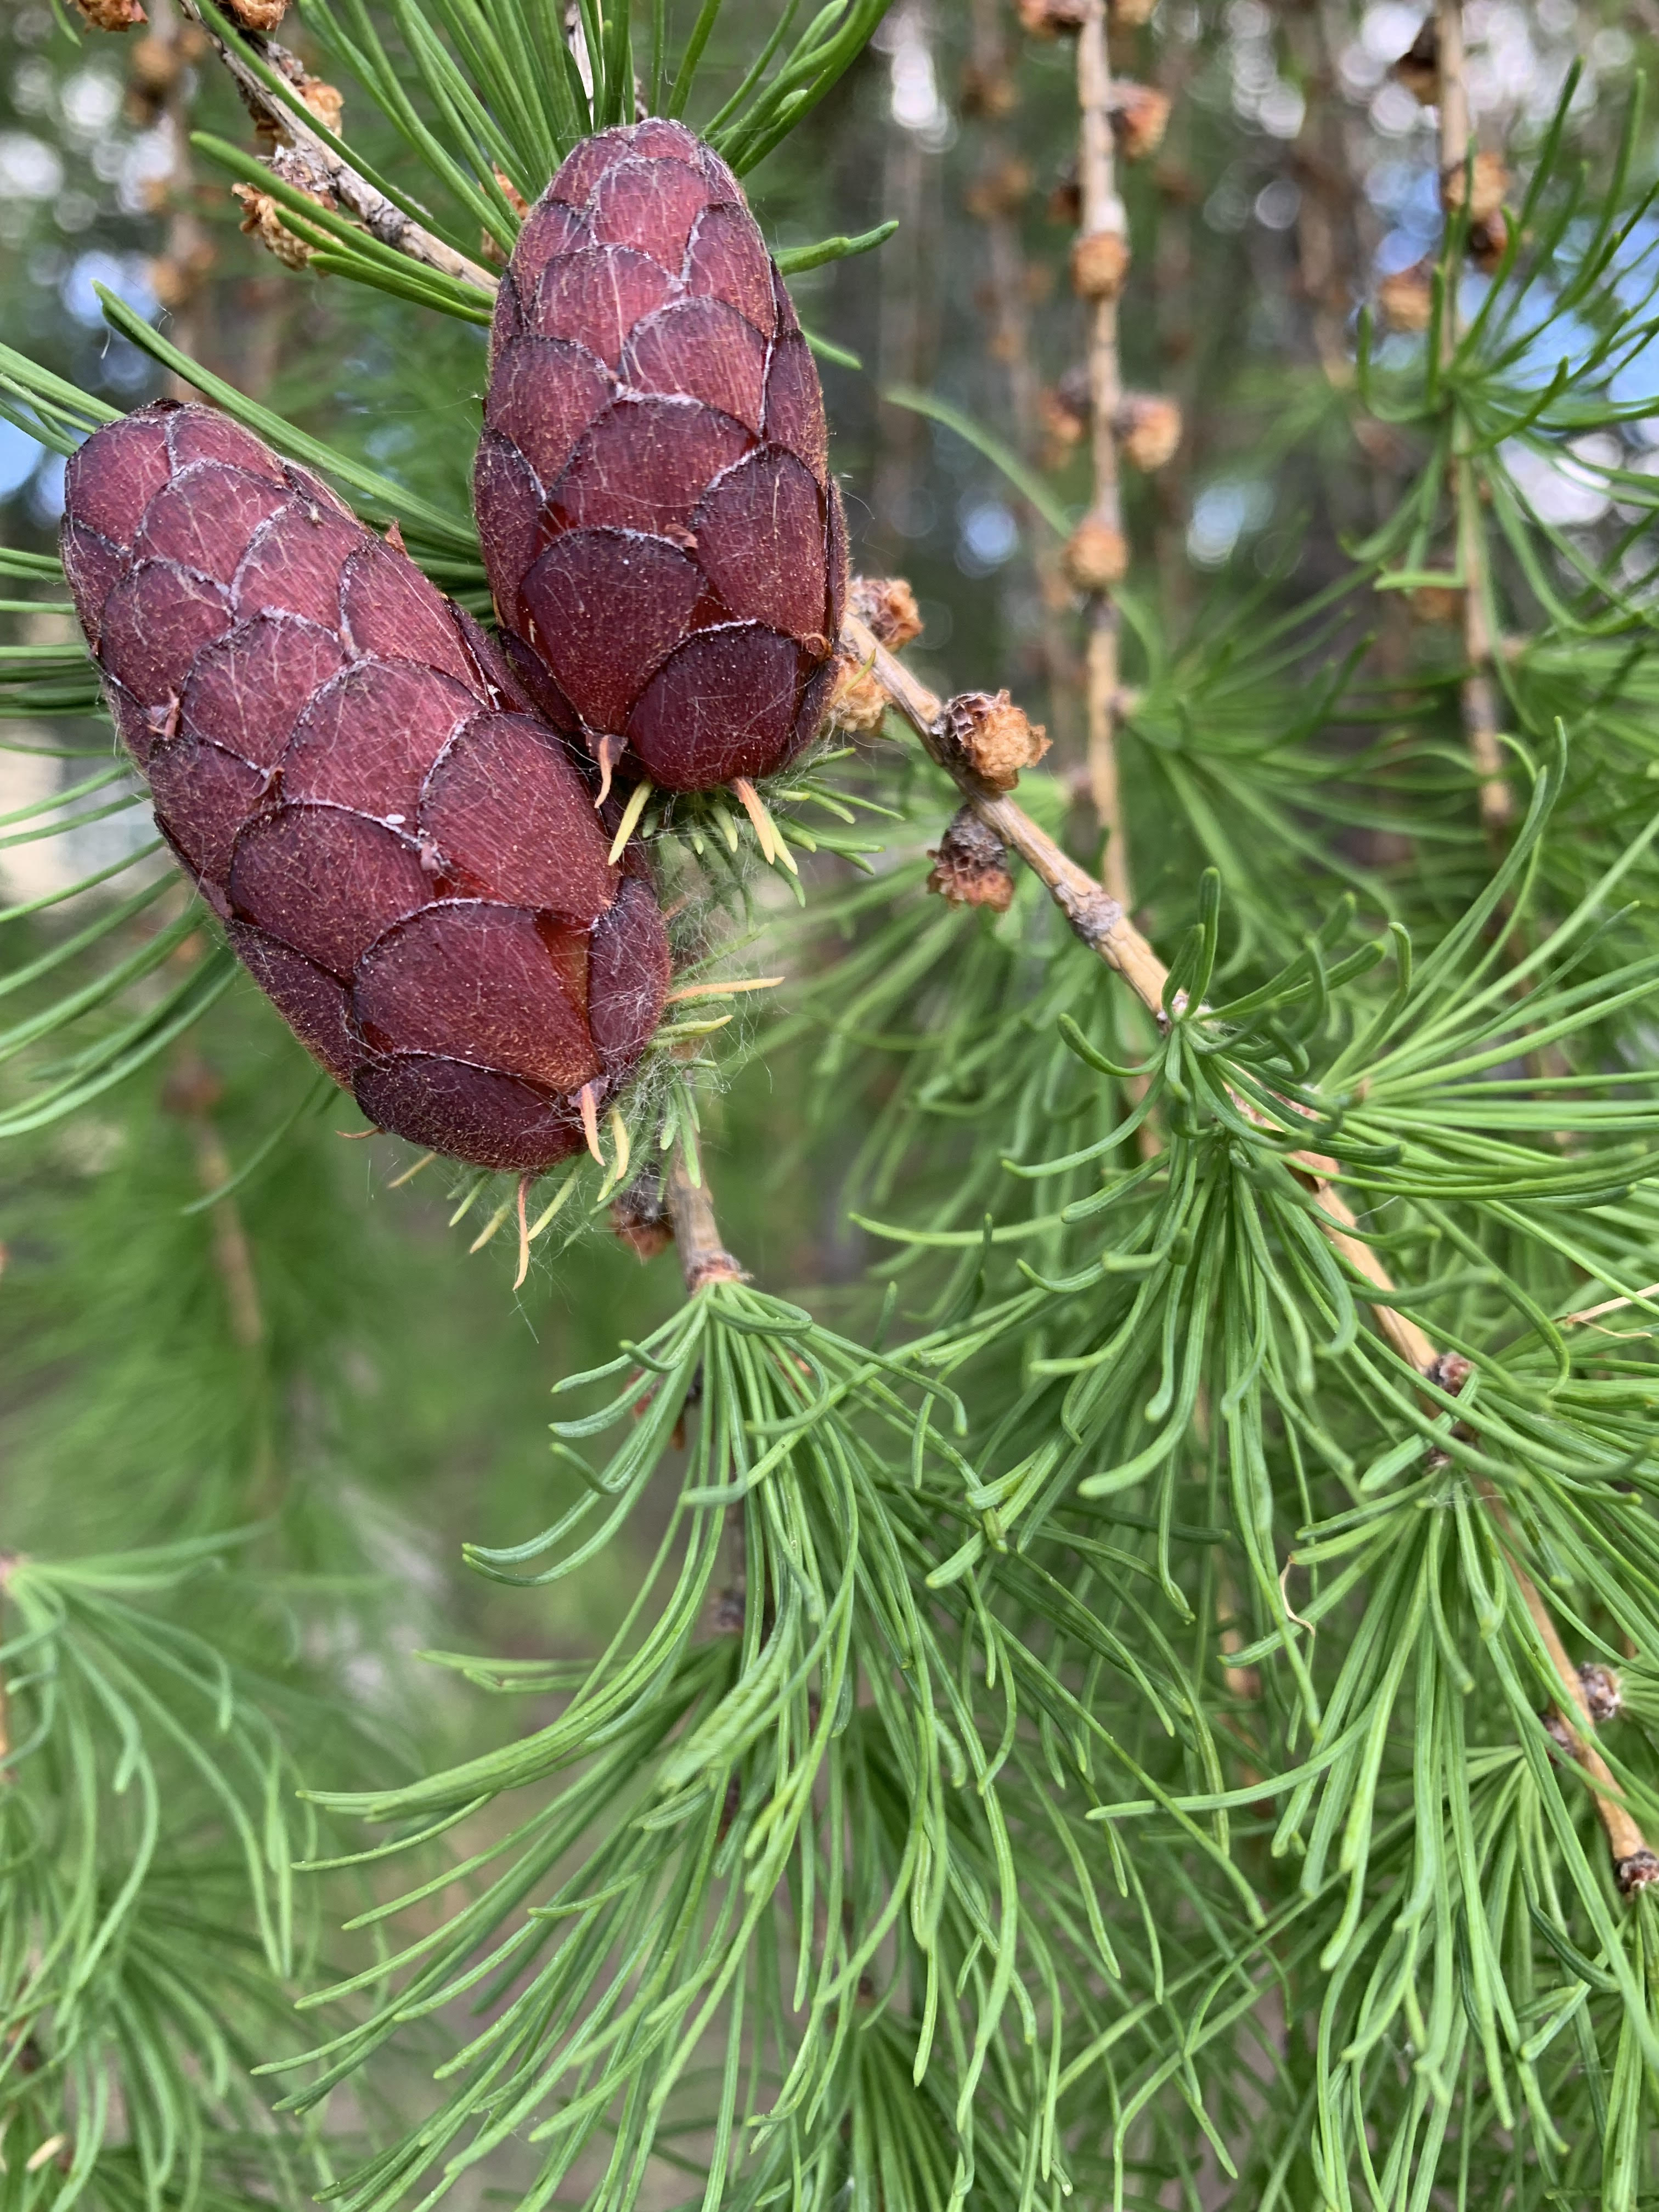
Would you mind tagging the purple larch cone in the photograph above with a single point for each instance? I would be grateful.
(406, 856)
(663, 535)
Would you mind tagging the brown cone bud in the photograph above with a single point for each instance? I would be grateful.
(1096, 557)
(1141, 115)
(1003, 189)
(175, 279)
(970, 867)
(1484, 188)
(986, 92)
(1048, 19)
(257, 14)
(888, 606)
(1418, 68)
(1488, 241)
(154, 64)
(1436, 603)
(1406, 301)
(263, 217)
(640, 1218)
(405, 857)
(1063, 424)
(858, 705)
(1149, 428)
(112, 15)
(1604, 1693)
(1065, 202)
(992, 737)
(1100, 262)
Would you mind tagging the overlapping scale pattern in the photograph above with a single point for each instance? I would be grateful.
(663, 535)
(406, 856)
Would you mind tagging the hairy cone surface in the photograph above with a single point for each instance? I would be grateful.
(663, 535)
(406, 858)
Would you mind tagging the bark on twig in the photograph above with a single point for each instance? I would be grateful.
(1104, 219)
(377, 214)
(1100, 921)
(703, 1258)
(1479, 691)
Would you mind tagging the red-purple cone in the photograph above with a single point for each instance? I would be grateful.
(663, 535)
(406, 858)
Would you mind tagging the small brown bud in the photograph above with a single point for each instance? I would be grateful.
(986, 92)
(1100, 262)
(176, 279)
(970, 866)
(1003, 189)
(263, 217)
(112, 15)
(1406, 301)
(325, 101)
(858, 704)
(726, 1615)
(258, 15)
(1063, 424)
(192, 1089)
(1450, 1372)
(1148, 427)
(1141, 115)
(1484, 188)
(1604, 1693)
(1640, 1869)
(154, 64)
(1418, 68)
(992, 737)
(1559, 1732)
(1096, 557)
(1436, 603)
(888, 606)
(1048, 19)
(640, 1219)
(1065, 202)
(488, 247)
(1488, 241)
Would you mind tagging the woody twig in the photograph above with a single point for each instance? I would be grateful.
(1098, 920)
(1096, 558)
(1473, 181)
(315, 166)
(703, 1256)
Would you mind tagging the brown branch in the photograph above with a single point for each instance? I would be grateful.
(1478, 694)
(703, 1258)
(1100, 259)
(1099, 920)
(330, 172)
(192, 1092)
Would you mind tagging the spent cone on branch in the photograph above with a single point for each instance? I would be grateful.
(1100, 263)
(992, 737)
(405, 856)
(888, 605)
(970, 866)
(663, 535)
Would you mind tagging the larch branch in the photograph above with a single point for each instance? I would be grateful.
(1479, 692)
(377, 214)
(704, 1257)
(1099, 920)
(1104, 228)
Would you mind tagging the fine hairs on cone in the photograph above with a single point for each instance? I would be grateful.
(405, 857)
(663, 537)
